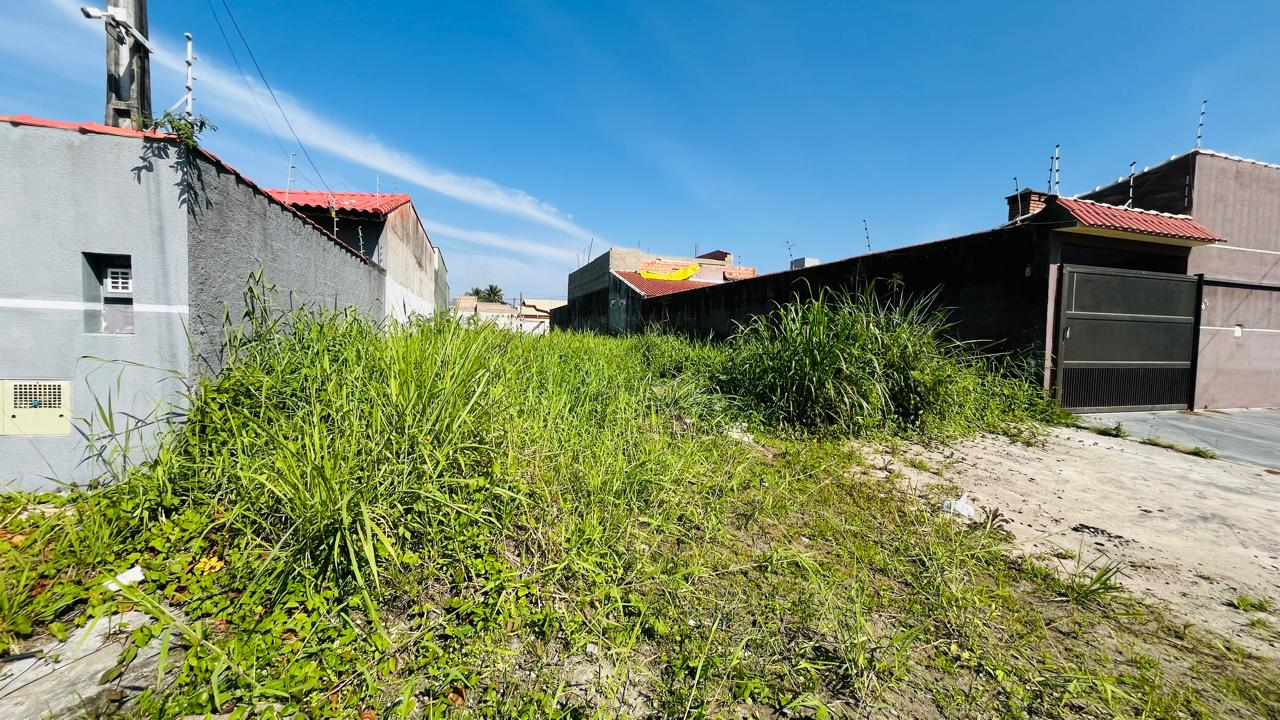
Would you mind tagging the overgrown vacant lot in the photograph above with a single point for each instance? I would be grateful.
(438, 521)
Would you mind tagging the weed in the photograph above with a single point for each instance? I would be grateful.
(1115, 431)
(1090, 584)
(1197, 451)
(1245, 603)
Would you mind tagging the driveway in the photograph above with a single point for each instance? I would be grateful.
(1251, 436)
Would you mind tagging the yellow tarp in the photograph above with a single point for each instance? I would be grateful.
(683, 273)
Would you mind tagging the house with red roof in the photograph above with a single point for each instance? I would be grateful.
(386, 228)
(1160, 291)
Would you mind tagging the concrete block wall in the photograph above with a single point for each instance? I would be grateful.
(235, 230)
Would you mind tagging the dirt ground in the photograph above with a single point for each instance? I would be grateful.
(1192, 533)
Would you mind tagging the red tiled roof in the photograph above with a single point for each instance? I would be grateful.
(376, 203)
(99, 129)
(95, 128)
(654, 288)
(1146, 222)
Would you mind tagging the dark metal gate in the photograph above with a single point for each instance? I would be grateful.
(1126, 339)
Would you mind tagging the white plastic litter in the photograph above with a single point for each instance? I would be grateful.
(132, 576)
(960, 506)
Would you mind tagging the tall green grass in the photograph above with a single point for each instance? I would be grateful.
(872, 362)
(443, 519)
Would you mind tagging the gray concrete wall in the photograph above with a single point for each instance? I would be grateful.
(407, 256)
(63, 194)
(234, 231)
(441, 282)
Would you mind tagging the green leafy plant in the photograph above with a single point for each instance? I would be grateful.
(187, 128)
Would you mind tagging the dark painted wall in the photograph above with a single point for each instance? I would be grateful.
(994, 286)
(1166, 188)
(233, 230)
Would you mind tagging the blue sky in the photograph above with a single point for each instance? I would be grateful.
(524, 130)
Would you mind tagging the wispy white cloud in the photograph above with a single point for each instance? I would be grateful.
(228, 92)
(503, 242)
(516, 278)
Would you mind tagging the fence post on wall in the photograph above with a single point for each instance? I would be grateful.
(1195, 342)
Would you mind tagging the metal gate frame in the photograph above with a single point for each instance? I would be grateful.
(1066, 286)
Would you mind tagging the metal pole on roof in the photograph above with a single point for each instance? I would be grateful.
(1132, 167)
(188, 98)
(1017, 192)
(1200, 127)
(867, 231)
(288, 184)
(1057, 170)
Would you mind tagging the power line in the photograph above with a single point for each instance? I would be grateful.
(244, 79)
(274, 99)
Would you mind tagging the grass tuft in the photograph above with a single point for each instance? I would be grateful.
(1115, 431)
(1245, 603)
(1197, 451)
(867, 363)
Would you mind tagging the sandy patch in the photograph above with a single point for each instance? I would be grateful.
(1192, 533)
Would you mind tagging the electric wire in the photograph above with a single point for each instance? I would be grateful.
(274, 99)
(245, 79)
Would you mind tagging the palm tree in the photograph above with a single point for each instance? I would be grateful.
(493, 293)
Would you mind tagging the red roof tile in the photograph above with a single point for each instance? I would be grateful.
(1146, 222)
(654, 288)
(99, 129)
(376, 203)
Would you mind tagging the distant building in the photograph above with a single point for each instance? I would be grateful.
(385, 228)
(532, 316)
(605, 294)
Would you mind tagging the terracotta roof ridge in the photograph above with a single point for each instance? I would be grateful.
(1175, 216)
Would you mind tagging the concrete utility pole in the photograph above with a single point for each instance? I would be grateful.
(128, 64)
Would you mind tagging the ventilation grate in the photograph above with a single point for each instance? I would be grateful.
(37, 395)
(119, 280)
(1117, 387)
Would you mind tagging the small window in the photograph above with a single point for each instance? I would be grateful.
(108, 294)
